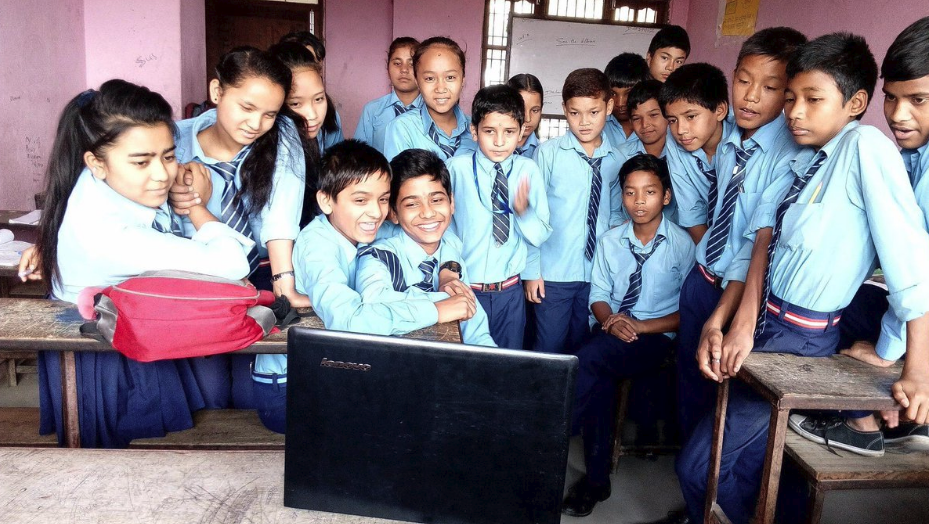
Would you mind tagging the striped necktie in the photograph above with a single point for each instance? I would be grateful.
(428, 268)
(792, 194)
(499, 197)
(233, 212)
(635, 279)
(399, 108)
(449, 151)
(720, 233)
(162, 218)
(710, 175)
(593, 204)
(389, 259)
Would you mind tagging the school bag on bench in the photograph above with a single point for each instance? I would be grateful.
(162, 315)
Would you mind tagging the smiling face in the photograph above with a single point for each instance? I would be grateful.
(247, 111)
(758, 89)
(694, 126)
(906, 108)
(308, 99)
(424, 211)
(359, 209)
(586, 117)
(643, 197)
(440, 78)
(140, 165)
(400, 70)
(664, 61)
(648, 122)
(497, 135)
(533, 103)
(815, 108)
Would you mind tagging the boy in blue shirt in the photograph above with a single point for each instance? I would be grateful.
(849, 203)
(501, 210)
(579, 171)
(408, 264)
(354, 188)
(667, 51)
(636, 282)
(624, 71)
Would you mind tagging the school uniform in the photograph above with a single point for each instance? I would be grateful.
(614, 130)
(495, 239)
(372, 126)
(644, 282)
(225, 378)
(398, 268)
(565, 261)
(417, 130)
(744, 170)
(324, 266)
(104, 239)
(850, 203)
(327, 139)
(528, 149)
(634, 147)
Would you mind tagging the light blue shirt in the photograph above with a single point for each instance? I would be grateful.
(411, 131)
(328, 139)
(472, 185)
(106, 238)
(662, 274)
(280, 218)
(767, 179)
(373, 280)
(568, 178)
(633, 147)
(372, 126)
(614, 130)
(528, 149)
(857, 207)
(324, 266)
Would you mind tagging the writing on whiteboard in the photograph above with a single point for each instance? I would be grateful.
(559, 42)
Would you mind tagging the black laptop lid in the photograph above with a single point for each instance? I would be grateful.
(425, 431)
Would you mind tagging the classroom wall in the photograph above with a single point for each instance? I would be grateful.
(41, 67)
(193, 53)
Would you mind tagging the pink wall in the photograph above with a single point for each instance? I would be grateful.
(680, 11)
(813, 19)
(41, 68)
(193, 54)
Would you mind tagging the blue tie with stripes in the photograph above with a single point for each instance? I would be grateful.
(448, 150)
(593, 204)
(635, 279)
(389, 259)
(499, 196)
(399, 108)
(233, 212)
(710, 175)
(165, 222)
(720, 233)
(792, 194)
(428, 268)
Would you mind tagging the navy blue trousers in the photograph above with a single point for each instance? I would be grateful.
(562, 317)
(746, 429)
(861, 320)
(506, 315)
(696, 395)
(271, 403)
(604, 360)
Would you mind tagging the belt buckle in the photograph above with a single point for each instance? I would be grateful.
(718, 283)
(492, 287)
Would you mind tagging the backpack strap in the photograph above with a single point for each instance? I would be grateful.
(264, 317)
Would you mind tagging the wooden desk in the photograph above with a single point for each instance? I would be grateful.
(791, 382)
(158, 487)
(51, 325)
(25, 232)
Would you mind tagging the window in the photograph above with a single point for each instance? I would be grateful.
(497, 21)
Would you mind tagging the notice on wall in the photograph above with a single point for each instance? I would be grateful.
(739, 17)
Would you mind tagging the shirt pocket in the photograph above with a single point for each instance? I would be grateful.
(803, 227)
(664, 286)
(746, 204)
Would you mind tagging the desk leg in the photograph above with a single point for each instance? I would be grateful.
(69, 413)
(771, 475)
(716, 452)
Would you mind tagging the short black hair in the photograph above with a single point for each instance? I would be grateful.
(586, 83)
(778, 43)
(646, 162)
(626, 70)
(499, 98)
(347, 163)
(843, 56)
(643, 92)
(908, 56)
(670, 36)
(413, 163)
(699, 83)
(526, 82)
(307, 39)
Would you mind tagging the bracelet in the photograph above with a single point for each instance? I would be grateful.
(282, 274)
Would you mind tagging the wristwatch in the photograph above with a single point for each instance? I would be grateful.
(282, 274)
(452, 266)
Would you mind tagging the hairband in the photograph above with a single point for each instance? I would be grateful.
(85, 98)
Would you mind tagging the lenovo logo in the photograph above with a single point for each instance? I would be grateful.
(326, 363)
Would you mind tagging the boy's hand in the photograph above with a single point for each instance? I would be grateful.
(913, 394)
(183, 195)
(535, 290)
(458, 307)
(521, 202)
(866, 352)
(29, 264)
(736, 345)
(709, 353)
(456, 287)
(622, 327)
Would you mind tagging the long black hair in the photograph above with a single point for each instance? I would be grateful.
(92, 121)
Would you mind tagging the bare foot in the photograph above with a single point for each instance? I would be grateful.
(863, 424)
(865, 352)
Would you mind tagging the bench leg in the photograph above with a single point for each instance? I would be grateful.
(771, 475)
(712, 512)
(622, 403)
(69, 413)
(10, 371)
(815, 506)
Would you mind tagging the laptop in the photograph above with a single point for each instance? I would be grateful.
(425, 431)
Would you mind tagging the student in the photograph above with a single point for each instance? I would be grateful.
(624, 71)
(252, 145)
(354, 188)
(580, 171)
(408, 264)
(634, 289)
(440, 125)
(404, 97)
(850, 201)
(530, 88)
(667, 51)
(501, 210)
(110, 169)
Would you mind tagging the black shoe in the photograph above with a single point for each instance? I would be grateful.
(913, 436)
(834, 432)
(674, 517)
(582, 497)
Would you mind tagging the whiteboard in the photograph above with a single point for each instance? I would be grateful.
(551, 49)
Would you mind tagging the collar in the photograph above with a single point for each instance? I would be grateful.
(805, 157)
(349, 251)
(415, 252)
(487, 165)
(569, 141)
(192, 144)
(916, 162)
(764, 137)
(460, 128)
(392, 98)
(532, 141)
(138, 213)
(628, 238)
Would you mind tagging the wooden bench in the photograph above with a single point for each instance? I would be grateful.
(19, 427)
(218, 429)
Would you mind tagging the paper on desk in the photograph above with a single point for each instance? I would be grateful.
(31, 218)
(10, 250)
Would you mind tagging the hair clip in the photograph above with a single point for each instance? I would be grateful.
(84, 98)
